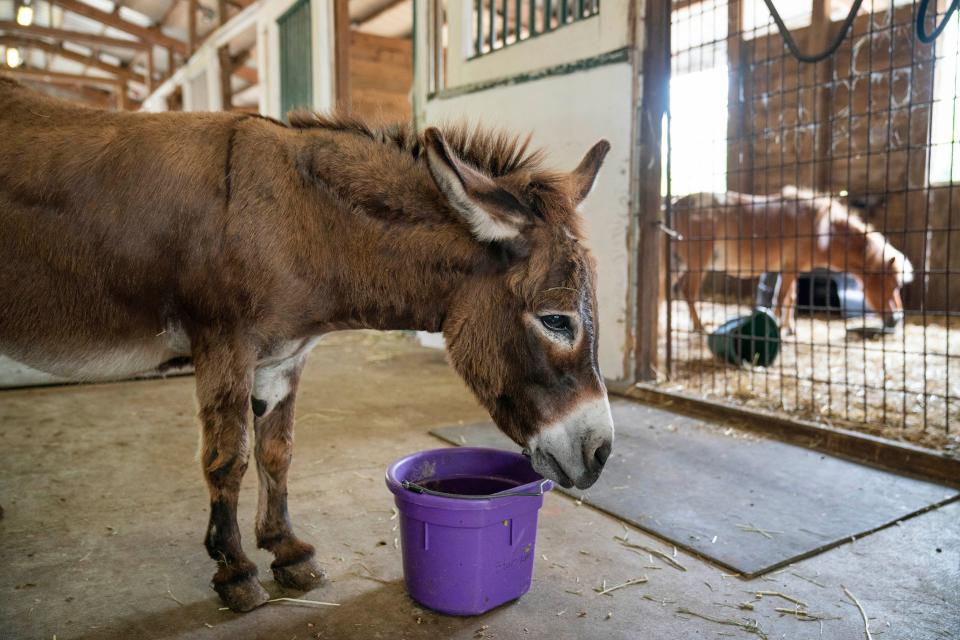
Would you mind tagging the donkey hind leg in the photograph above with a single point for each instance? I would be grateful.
(223, 377)
(273, 398)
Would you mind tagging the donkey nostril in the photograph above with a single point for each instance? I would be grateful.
(602, 453)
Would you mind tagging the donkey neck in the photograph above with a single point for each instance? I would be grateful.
(400, 255)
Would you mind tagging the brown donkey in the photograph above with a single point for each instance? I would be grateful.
(790, 233)
(134, 242)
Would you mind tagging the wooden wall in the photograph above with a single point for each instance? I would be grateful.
(856, 122)
(381, 74)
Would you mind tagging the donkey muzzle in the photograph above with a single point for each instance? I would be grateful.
(573, 450)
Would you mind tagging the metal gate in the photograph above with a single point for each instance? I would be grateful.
(813, 165)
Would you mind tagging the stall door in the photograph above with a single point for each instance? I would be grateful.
(296, 70)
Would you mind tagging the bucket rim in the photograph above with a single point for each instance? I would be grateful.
(396, 485)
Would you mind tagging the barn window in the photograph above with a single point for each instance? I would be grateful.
(501, 23)
(698, 98)
(945, 123)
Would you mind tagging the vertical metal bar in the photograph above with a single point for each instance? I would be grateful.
(341, 21)
(532, 19)
(580, 9)
(547, 16)
(517, 20)
(493, 23)
(506, 21)
(478, 16)
(564, 11)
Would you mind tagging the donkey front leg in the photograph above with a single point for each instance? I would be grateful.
(274, 393)
(224, 372)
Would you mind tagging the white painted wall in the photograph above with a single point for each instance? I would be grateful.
(606, 31)
(567, 114)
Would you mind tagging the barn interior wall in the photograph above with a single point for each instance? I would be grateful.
(381, 75)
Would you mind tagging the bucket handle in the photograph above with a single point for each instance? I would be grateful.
(413, 486)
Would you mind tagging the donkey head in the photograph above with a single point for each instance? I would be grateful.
(522, 329)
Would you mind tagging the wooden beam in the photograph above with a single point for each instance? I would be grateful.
(226, 75)
(655, 97)
(147, 34)
(379, 11)
(65, 78)
(820, 33)
(150, 77)
(341, 22)
(58, 49)
(191, 26)
(10, 27)
(100, 99)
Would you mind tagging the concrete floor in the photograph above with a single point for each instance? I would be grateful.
(105, 511)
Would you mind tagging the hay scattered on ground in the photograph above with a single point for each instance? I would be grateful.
(904, 386)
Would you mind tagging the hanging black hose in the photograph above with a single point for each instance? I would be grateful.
(922, 34)
(826, 53)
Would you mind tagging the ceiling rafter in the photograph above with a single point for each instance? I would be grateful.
(11, 27)
(57, 48)
(152, 35)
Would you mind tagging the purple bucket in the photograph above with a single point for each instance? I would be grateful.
(470, 549)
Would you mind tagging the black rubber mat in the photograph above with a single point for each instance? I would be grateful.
(747, 503)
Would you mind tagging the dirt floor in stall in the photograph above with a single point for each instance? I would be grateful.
(903, 386)
(105, 509)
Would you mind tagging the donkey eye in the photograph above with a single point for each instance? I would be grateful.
(557, 323)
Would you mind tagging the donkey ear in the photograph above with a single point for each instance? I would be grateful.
(465, 188)
(586, 172)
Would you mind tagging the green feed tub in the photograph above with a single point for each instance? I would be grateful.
(753, 339)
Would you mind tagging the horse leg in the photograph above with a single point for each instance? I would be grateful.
(224, 368)
(691, 290)
(274, 392)
(786, 299)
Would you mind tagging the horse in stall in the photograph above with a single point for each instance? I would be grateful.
(136, 242)
(790, 233)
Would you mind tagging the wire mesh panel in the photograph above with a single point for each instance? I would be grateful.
(813, 211)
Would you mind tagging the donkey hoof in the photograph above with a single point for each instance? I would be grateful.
(302, 576)
(242, 595)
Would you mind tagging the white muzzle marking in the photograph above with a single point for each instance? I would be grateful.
(573, 450)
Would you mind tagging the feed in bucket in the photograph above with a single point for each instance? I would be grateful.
(468, 526)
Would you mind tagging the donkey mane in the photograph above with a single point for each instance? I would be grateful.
(494, 152)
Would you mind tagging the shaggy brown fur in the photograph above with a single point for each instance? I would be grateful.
(132, 242)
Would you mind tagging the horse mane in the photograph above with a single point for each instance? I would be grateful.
(879, 251)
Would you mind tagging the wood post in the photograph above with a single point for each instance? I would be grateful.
(222, 11)
(820, 33)
(191, 26)
(739, 155)
(647, 173)
(226, 73)
(341, 20)
(150, 70)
